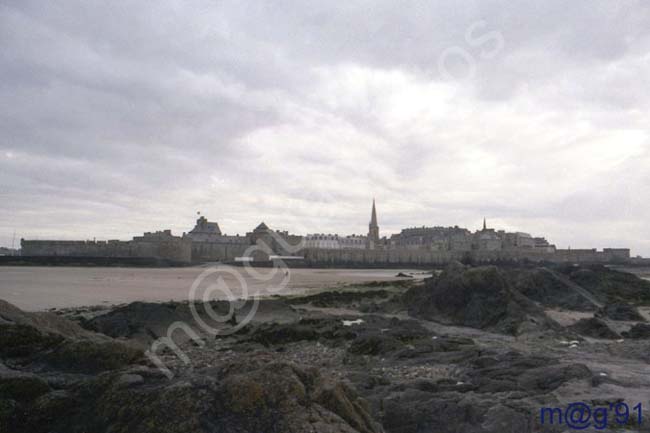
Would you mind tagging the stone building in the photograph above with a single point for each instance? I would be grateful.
(487, 239)
(353, 242)
(334, 241)
(460, 239)
(432, 239)
(273, 243)
(210, 245)
(516, 240)
(321, 240)
(204, 229)
(541, 244)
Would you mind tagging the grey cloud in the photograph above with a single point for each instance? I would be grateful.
(122, 117)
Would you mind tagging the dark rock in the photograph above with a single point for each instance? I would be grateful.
(504, 419)
(51, 342)
(442, 385)
(594, 328)
(598, 380)
(415, 411)
(515, 372)
(403, 275)
(610, 285)
(8, 408)
(140, 320)
(241, 397)
(403, 330)
(22, 387)
(392, 305)
(49, 409)
(283, 333)
(328, 329)
(547, 379)
(343, 401)
(374, 345)
(338, 298)
(92, 357)
(620, 312)
(144, 322)
(393, 283)
(45, 323)
(479, 298)
(540, 285)
(638, 331)
(438, 345)
(25, 340)
(363, 380)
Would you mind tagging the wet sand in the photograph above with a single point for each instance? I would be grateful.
(40, 288)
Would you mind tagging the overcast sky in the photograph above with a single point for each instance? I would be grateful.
(119, 117)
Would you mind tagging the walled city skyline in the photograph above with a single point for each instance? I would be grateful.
(383, 232)
(206, 242)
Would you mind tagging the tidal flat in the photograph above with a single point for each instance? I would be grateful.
(37, 288)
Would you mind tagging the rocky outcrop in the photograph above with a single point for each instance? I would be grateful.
(53, 382)
(44, 357)
(49, 341)
(45, 322)
(337, 298)
(513, 371)
(479, 298)
(144, 322)
(594, 328)
(491, 398)
(638, 331)
(247, 396)
(608, 285)
(542, 286)
(620, 311)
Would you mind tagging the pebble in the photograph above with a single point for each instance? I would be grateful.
(352, 322)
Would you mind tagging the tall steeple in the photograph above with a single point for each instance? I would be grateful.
(373, 229)
(484, 224)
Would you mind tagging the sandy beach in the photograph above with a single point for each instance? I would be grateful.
(41, 288)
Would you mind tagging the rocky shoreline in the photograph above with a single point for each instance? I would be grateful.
(473, 349)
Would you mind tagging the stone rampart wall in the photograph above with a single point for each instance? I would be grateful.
(215, 252)
(176, 250)
(419, 257)
(185, 251)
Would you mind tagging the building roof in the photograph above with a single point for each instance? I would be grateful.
(262, 226)
(203, 226)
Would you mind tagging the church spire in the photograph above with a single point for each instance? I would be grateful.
(373, 229)
(484, 224)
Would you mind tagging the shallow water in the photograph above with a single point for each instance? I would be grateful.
(40, 288)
